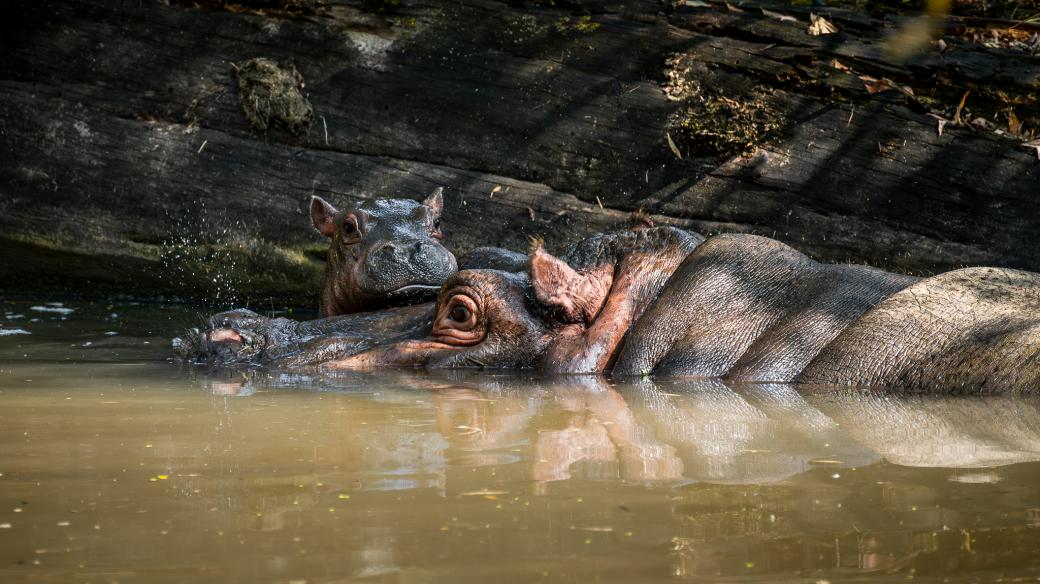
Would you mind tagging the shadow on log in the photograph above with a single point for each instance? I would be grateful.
(130, 167)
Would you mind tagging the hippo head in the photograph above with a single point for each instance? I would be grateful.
(382, 253)
(555, 317)
(484, 318)
(496, 319)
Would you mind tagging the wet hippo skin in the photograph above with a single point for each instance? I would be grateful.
(750, 308)
(657, 300)
(382, 253)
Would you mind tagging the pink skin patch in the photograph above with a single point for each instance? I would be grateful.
(225, 336)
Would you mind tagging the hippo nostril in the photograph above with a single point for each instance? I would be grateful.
(225, 335)
(392, 253)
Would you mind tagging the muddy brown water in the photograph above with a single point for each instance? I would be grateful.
(117, 465)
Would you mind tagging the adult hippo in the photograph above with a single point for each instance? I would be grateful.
(743, 307)
(382, 253)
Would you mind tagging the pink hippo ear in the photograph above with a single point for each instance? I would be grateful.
(578, 296)
(322, 216)
(435, 202)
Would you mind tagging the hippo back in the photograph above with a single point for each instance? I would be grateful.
(750, 308)
(976, 328)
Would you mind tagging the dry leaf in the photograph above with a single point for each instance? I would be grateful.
(942, 122)
(819, 25)
(1014, 124)
(778, 16)
(874, 85)
(981, 123)
(732, 8)
(672, 146)
(1035, 145)
(840, 66)
(494, 190)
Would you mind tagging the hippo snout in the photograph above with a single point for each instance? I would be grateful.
(398, 264)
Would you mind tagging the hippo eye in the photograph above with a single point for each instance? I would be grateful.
(458, 323)
(351, 230)
(459, 314)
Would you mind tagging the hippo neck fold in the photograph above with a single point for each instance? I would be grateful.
(636, 264)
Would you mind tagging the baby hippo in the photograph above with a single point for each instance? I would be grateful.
(382, 253)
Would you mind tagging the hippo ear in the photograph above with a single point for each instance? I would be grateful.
(435, 201)
(322, 216)
(577, 296)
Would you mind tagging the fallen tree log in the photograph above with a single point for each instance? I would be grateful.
(130, 165)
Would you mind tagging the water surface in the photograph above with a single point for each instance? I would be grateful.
(120, 466)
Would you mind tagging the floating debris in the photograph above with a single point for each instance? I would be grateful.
(976, 478)
(5, 332)
(52, 308)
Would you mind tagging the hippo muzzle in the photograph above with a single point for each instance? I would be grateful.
(410, 270)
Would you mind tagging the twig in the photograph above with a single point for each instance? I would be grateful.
(960, 106)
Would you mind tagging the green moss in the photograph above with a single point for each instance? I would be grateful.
(715, 125)
(270, 94)
(583, 25)
(406, 22)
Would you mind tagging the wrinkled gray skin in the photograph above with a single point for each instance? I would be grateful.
(748, 308)
(382, 253)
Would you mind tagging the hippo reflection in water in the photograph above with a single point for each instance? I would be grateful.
(820, 476)
(703, 430)
(658, 300)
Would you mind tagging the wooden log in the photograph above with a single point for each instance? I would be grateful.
(129, 164)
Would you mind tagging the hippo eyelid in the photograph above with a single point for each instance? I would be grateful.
(353, 228)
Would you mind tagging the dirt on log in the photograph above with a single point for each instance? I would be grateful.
(130, 163)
